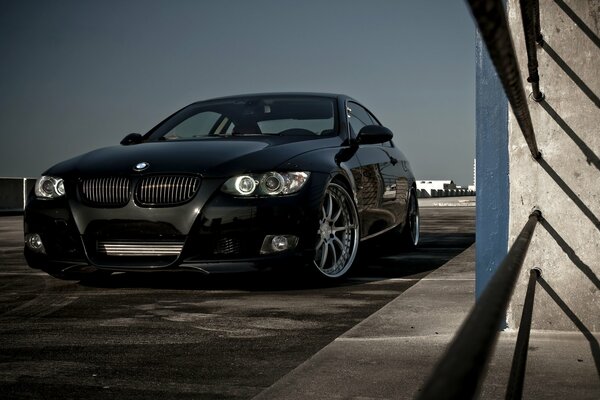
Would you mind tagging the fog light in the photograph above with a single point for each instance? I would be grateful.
(277, 243)
(34, 243)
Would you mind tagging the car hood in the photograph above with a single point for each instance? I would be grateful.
(219, 157)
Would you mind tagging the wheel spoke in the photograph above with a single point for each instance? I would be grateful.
(329, 206)
(334, 257)
(321, 241)
(337, 214)
(339, 242)
(339, 229)
(324, 256)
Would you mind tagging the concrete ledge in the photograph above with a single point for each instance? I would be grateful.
(390, 354)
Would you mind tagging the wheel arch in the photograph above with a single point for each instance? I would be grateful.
(345, 178)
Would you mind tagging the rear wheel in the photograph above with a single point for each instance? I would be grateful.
(409, 237)
(338, 233)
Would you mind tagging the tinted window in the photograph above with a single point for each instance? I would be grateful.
(277, 115)
(197, 125)
(359, 117)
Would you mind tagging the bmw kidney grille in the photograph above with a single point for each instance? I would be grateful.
(169, 190)
(166, 190)
(106, 191)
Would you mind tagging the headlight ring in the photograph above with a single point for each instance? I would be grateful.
(266, 185)
(49, 187)
(272, 183)
(245, 185)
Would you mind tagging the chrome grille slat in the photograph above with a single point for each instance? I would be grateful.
(166, 190)
(111, 191)
(138, 248)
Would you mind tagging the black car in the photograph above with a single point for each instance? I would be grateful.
(281, 180)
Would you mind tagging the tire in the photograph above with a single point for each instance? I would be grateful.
(409, 236)
(338, 234)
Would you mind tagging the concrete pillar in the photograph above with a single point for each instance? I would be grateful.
(565, 185)
(491, 145)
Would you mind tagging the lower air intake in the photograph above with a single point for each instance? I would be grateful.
(138, 249)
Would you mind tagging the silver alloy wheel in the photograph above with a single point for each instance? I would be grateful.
(413, 219)
(338, 233)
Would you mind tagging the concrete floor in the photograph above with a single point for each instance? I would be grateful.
(186, 335)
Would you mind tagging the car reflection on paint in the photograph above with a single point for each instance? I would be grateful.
(269, 180)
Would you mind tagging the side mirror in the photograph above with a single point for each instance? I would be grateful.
(132, 138)
(374, 134)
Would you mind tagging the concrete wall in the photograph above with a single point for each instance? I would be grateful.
(565, 185)
(13, 192)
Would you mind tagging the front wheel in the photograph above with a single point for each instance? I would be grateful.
(338, 233)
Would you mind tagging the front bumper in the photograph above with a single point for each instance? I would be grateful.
(216, 231)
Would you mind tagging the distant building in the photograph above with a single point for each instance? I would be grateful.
(441, 188)
(473, 187)
(435, 185)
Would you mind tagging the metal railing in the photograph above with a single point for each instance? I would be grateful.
(491, 20)
(461, 370)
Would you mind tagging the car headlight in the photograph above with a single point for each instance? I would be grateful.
(49, 187)
(268, 184)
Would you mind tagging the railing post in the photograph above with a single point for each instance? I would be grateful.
(514, 389)
(530, 19)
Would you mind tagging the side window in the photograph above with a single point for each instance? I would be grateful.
(358, 117)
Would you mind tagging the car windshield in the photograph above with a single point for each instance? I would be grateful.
(285, 116)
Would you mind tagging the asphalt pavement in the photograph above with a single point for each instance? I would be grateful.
(376, 335)
(187, 335)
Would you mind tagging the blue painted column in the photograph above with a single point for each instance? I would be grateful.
(491, 150)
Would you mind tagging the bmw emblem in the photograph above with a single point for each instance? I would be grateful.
(141, 166)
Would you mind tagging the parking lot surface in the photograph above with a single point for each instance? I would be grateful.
(188, 335)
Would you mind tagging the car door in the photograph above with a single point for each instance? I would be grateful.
(381, 179)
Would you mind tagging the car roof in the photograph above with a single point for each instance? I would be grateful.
(281, 94)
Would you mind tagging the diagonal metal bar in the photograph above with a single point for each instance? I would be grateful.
(491, 20)
(462, 368)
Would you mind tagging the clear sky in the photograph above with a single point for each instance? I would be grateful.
(79, 75)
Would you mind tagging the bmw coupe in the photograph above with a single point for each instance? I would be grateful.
(287, 180)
